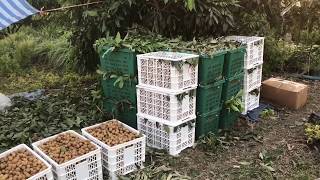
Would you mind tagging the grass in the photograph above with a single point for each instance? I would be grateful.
(40, 79)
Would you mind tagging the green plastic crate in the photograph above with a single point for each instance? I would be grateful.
(127, 113)
(209, 97)
(234, 62)
(119, 60)
(211, 68)
(228, 119)
(128, 91)
(207, 123)
(232, 86)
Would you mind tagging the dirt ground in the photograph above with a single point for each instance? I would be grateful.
(270, 149)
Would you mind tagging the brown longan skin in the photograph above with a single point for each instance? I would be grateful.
(20, 165)
(112, 133)
(66, 147)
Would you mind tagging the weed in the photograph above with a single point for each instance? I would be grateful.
(267, 114)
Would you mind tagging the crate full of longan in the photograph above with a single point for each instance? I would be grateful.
(21, 162)
(123, 148)
(72, 156)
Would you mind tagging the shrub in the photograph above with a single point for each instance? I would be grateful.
(16, 52)
(277, 53)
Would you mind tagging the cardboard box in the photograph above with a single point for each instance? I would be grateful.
(286, 93)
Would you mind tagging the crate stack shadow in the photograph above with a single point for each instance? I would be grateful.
(119, 83)
(253, 62)
(166, 96)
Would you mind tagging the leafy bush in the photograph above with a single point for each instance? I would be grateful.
(16, 52)
(277, 54)
(48, 46)
(312, 132)
(57, 52)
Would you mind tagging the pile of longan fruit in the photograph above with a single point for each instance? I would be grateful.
(112, 133)
(66, 147)
(20, 165)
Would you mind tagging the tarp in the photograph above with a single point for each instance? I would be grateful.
(12, 11)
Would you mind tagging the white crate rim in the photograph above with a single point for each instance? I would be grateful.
(245, 39)
(168, 123)
(38, 143)
(24, 146)
(84, 131)
(153, 55)
(165, 91)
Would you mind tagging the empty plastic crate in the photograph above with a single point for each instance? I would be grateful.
(211, 68)
(87, 166)
(127, 92)
(228, 119)
(209, 97)
(232, 86)
(43, 175)
(123, 158)
(251, 100)
(252, 78)
(254, 49)
(119, 60)
(169, 107)
(170, 71)
(173, 138)
(233, 64)
(207, 123)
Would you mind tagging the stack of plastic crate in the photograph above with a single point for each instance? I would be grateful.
(209, 93)
(119, 83)
(166, 97)
(253, 70)
(233, 73)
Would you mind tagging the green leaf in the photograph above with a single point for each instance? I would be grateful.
(234, 108)
(92, 13)
(118, 38)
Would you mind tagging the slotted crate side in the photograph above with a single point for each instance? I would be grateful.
(168, 74)
(125, 112)
(252, 78)
(118, 159)
(211, 68)
(254, 49)
(234, 62)
(87, 166)
(127, 92)
(207, 123)
(228, 119)
(209, 97)
(165, 106)
(120, 60)
(43, 175)
(232, 86)
(174, 139)
(251, 100)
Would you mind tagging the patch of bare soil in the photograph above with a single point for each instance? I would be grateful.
(273, 148)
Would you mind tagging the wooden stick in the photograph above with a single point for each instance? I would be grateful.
(72, 6)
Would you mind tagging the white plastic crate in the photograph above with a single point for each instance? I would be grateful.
(171, 71)
(170, 107)
(251, 100)
(43, 175)
(123, 158)
(160, 135)
(252, 78)
(87, 166)
(254, 50)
